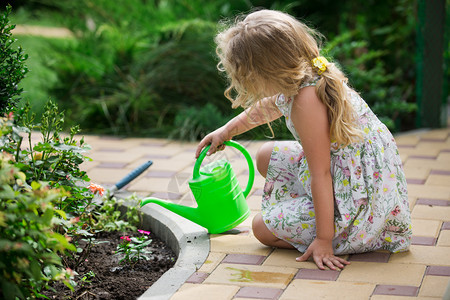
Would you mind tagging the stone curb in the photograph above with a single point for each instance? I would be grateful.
(189, 241)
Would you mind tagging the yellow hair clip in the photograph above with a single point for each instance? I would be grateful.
(320, 63)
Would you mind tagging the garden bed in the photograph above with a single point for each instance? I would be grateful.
(105, 278)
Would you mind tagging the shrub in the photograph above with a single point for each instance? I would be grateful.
(29, 247)
(368, 75)
(12, 65)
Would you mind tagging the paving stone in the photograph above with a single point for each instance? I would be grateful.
(444, 239)
(431, 212)
(205, 292)
(438, 271)
(426, 227)
(154, 143)
(415, 181)
(258, 192)
(432, 157)
(112, 165)
(417, 172)
(434, 286)
(422, 255)
(446, 226)
(407, 140)
(212, 261)
(438, 180)
(444, 156)
(258, 293)
(412, 201)
(151, 185)
(316, 274)
(375, 256)
(390, 297)
(254, 202)
(440, 172)
(240, 230)
(429, 191)
(314, 289)
(156, 157)
(398, 290)
(238, 244)
(249, 275)
(123, 157)
(110, 149)
(383, 273)
(439, 134)
(105, 175)
(160, 174)
(432, 202)
(173, 165)
(286, 258)
(245, 259)
(432, 164)
(423, 240)
(197, 277)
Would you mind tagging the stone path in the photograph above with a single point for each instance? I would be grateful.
(53, 32)
(239, 267)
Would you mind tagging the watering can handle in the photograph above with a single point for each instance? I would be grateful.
(251, 167)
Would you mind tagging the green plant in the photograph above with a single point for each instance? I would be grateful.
(133, 248)
(12, 65)
(29, 247)
(193, 123)
(368, 75)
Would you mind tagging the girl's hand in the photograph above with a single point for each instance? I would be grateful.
(322, 253)
(215, 139)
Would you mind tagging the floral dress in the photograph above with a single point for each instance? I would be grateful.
(371, 209)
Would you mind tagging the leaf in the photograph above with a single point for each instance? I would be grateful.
(61, 213)
(35, 269)
(35, 185)
(63, 241)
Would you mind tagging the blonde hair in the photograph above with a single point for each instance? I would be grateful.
(271, 48)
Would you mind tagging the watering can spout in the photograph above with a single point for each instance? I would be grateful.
(190, 213)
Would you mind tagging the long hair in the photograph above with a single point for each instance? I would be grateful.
(270, 50)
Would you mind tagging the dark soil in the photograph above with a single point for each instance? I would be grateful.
(114, 281)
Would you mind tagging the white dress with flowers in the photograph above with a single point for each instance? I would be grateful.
(370, 195)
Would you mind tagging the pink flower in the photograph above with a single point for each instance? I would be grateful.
(74, 220)
(280, 215)
(346, 171)
(347, 216)
(371, 219)
(376, 175)
(144, 232)
(358, 172)
(94, 188)
(395, 211)
(126, 238)
(393, 228)
(268, 187)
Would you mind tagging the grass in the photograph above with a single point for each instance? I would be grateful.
(35, 18)
(40, 76)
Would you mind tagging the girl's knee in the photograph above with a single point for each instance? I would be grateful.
(263, 158)
(261, 232)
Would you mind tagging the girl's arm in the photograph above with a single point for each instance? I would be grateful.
(264, 111)
(310, 119)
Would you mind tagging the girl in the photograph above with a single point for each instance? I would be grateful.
(339, 188)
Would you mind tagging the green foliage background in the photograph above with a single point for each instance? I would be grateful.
(148, 68)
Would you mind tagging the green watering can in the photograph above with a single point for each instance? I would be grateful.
(221, 203)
